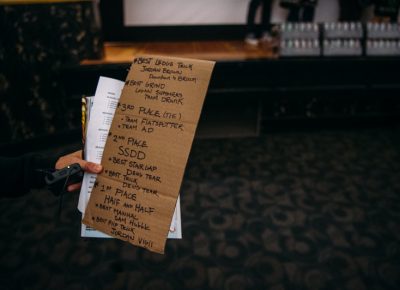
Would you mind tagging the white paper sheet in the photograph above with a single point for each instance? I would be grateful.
(101, 114)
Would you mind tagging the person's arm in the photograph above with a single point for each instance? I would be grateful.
(19, 174)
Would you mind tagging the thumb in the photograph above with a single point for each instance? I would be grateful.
(92, 167)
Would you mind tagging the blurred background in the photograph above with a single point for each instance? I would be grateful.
(293, 180)
(343, 66)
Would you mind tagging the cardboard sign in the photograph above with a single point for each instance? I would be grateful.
(147, 150)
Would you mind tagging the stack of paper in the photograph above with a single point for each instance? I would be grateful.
(99, 115)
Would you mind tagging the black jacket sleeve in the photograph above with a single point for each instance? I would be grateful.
(19, 174)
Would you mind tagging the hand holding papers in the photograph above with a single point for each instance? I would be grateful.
(147, 149)
(107, 95)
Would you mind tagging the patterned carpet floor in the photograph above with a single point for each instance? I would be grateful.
(308, 210)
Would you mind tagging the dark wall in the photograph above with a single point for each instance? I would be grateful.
(36, 41)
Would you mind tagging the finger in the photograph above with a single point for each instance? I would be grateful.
(75, 157)
(77, 154)
(92, 167)
(73, 187)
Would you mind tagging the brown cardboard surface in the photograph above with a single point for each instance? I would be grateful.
(147, 149)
